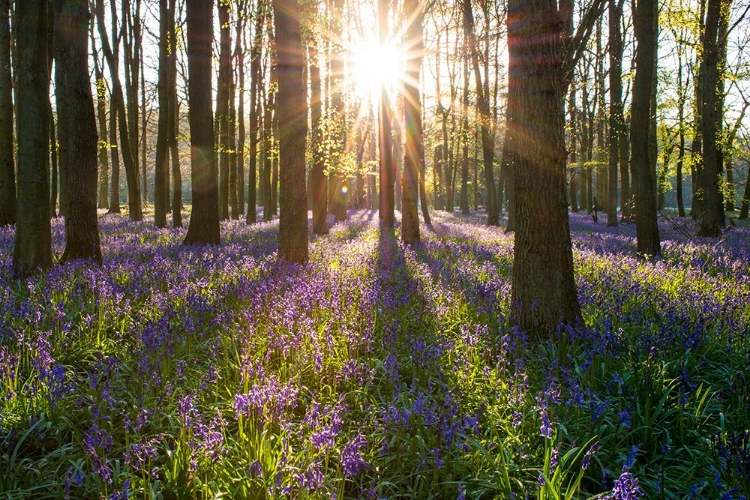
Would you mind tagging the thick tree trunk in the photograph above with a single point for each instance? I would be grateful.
(32, 248)
(75, 111)
(239, 52)
(293, 234)
(711, 116)
(412, 124)
(7, 165)
(204, 221)
(543, 291)
(647, 230)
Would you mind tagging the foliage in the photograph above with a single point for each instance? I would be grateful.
(374, 371)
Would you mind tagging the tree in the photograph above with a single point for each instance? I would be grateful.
(647, 229)
(127, 146)
(413, 150)
(318, 181)
(254, 118)
(78, 134)
(616, 118)
(292, 111)
(7, 166)
(161, 165)
(387, 198)
(204, 221)
(222, 106)
(32, 248)
(711, 116)
(485, 118)
(541, 58)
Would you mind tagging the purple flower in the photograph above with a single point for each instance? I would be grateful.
(546, 427)
(351, 458)
(626, 487)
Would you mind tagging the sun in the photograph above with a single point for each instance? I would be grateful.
(376, 66)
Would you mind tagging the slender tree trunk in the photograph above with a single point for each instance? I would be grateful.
(118, 106)
(75, 110)
(573, 182)
(32, 248)
(413, 152)
(255, 60)
(486, 120)
(174, 153)
(318, 181)
(161, 165)
(239, 51)
(647, 230)
(101, 111)
(7, 165)
(204, 221)
(616, 118)
(387, 181)
(222, 107)
(293, 234)
(114, 192)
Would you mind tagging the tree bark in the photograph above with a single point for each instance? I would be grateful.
(78, 134)
(318, 181)
(7, 165)
(204, 221)
(118, 107)
(32, 248)
(543, 292)
(486, 120)
(412, 124)
(222, 107)
(616, 118)
(387, 181)
(255, 55)
(711, 116)
(161, 165)
(647, 229)
(293, 234)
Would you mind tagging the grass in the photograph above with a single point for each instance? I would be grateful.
(374, 371)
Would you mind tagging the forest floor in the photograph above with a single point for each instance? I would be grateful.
(374, 371)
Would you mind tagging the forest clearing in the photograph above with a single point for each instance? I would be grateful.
(375, 370)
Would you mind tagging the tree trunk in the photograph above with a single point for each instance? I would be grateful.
(616, 119)
(255, 55)
(161, 164)
(114, 192)
(118, 106)
(543, 291)
(204, 221)
(387, 181)
(32, 248)
(647, 229)
(711, 116)
(101, 112)
(239, 51)
(318, 181)
(574, 167)
(7, 165)
(292, 104)
(412, 124)
(222, 107)
(486, 120)
(75, 111)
